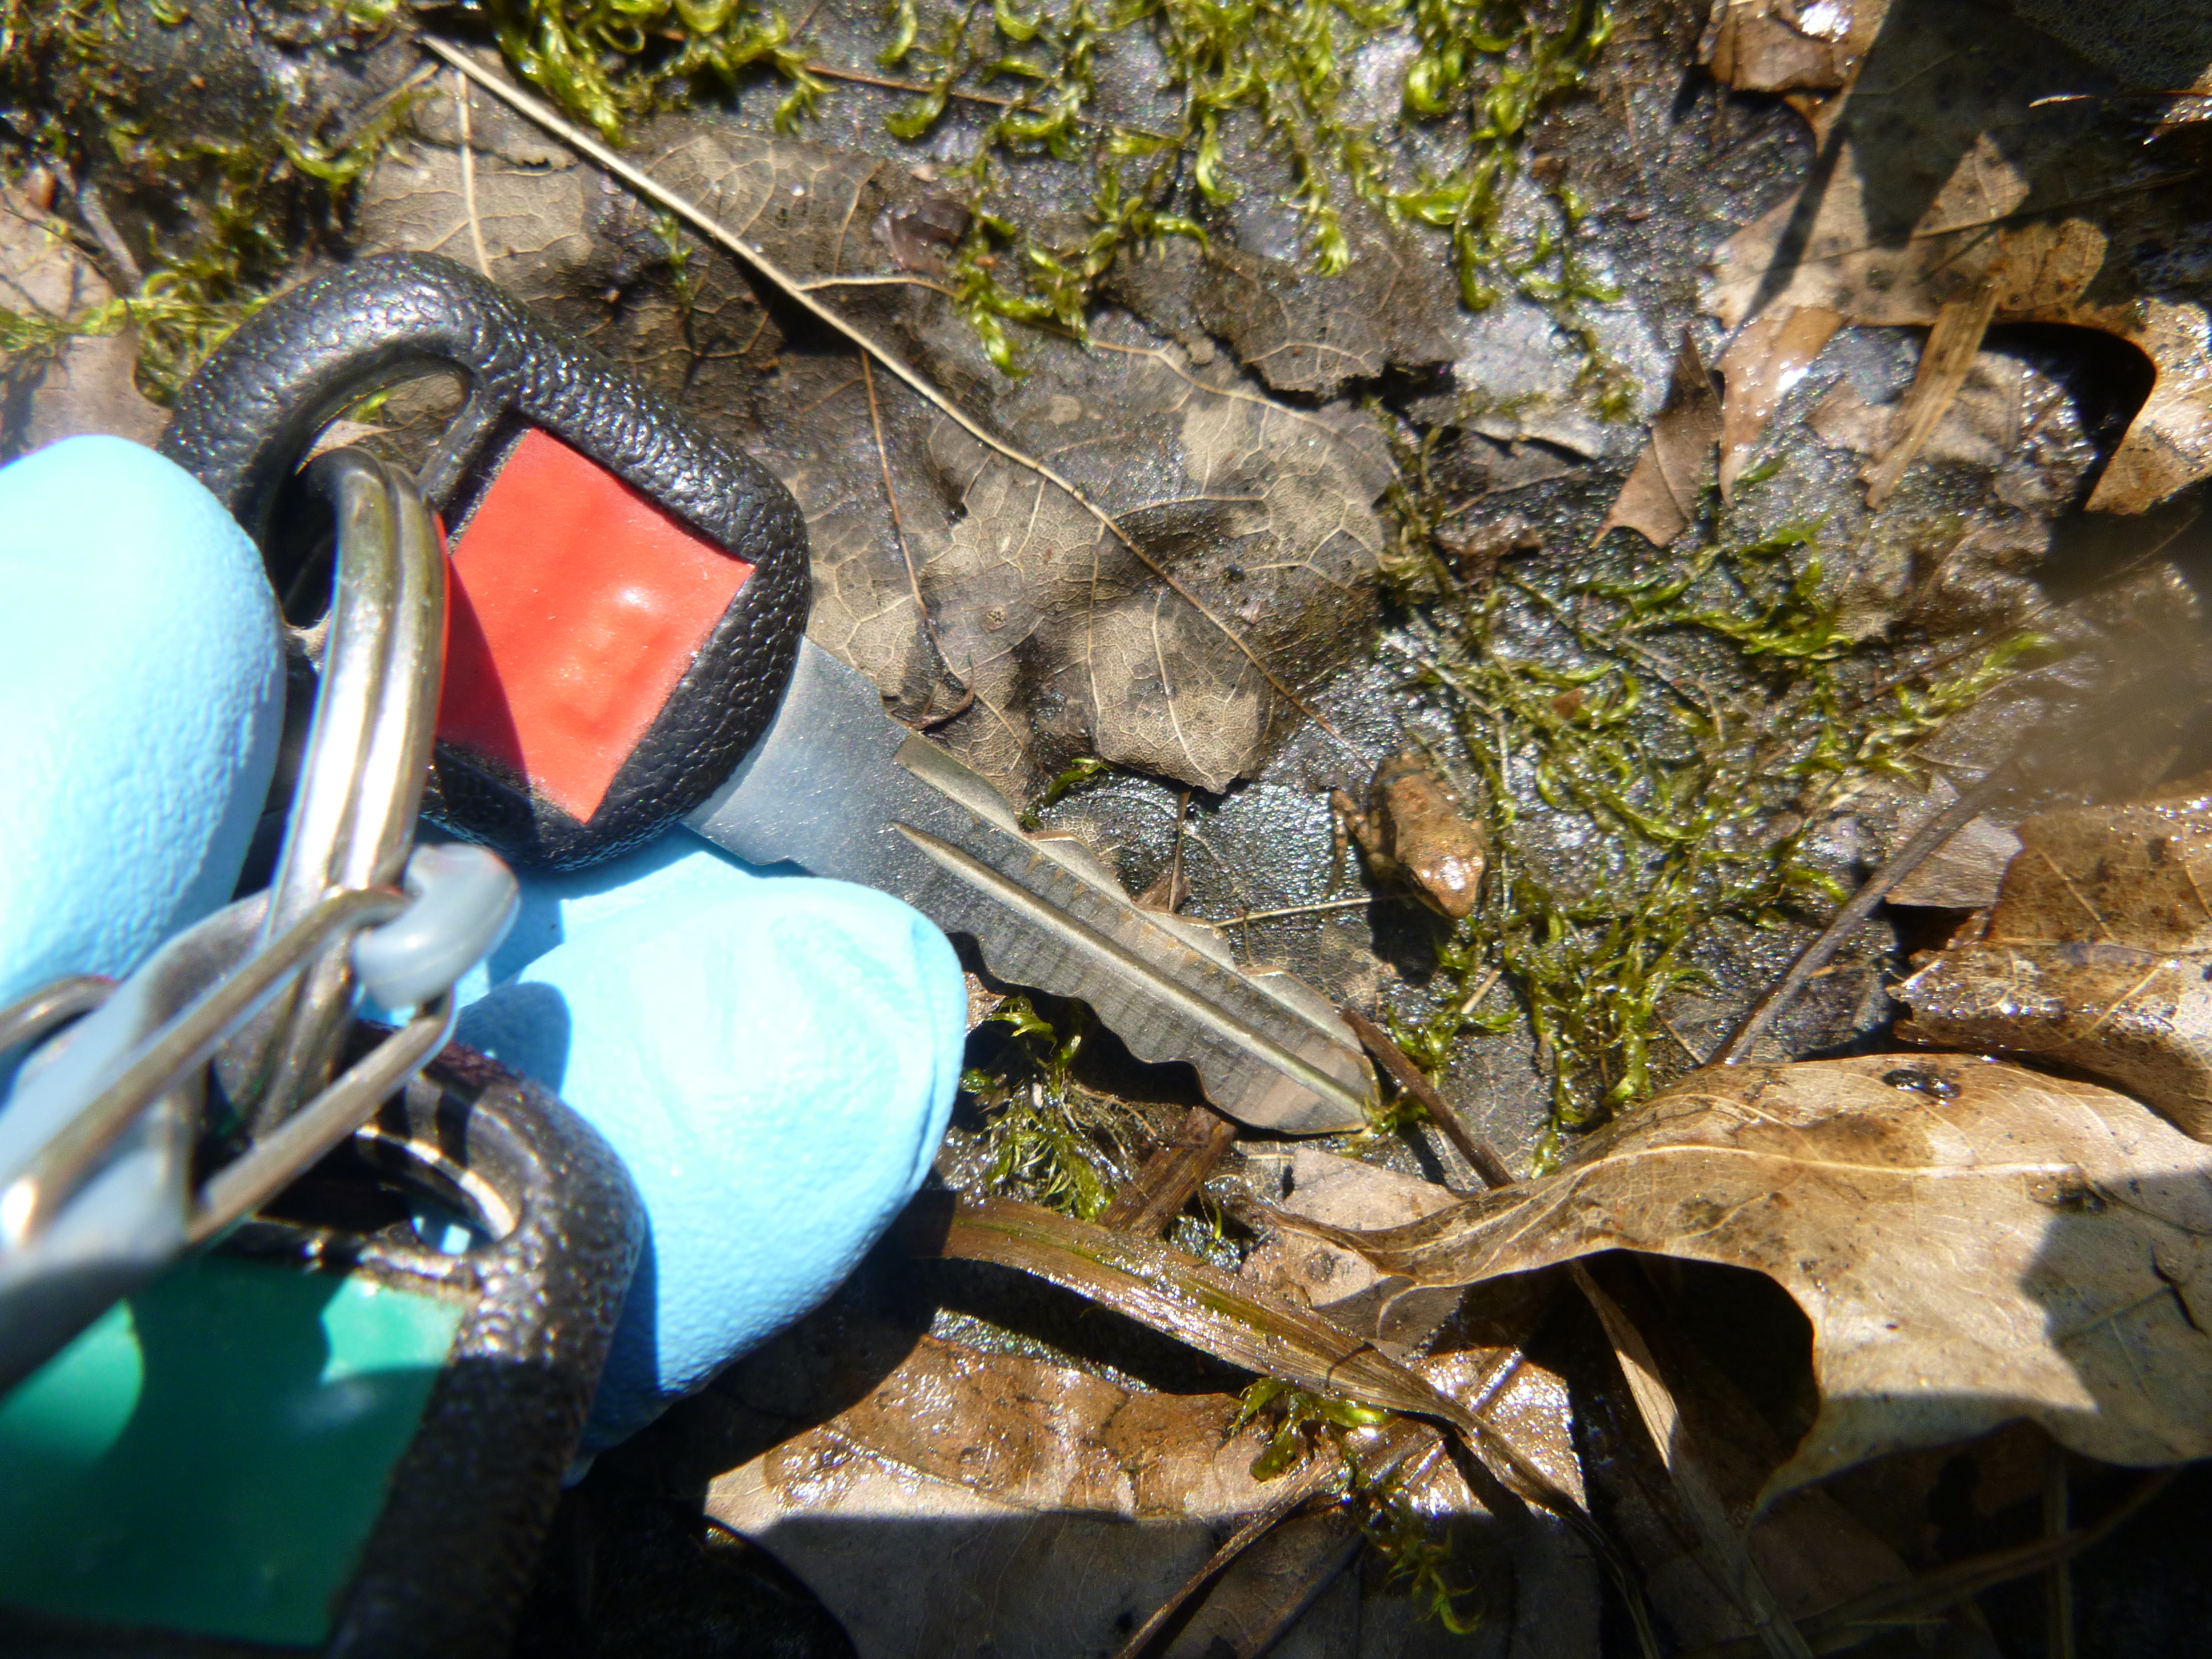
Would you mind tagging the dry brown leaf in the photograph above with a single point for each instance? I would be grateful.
(1789, 45)
(1966, 154)
(1964, 873)
(1340, 1191)
(1661, 496)
(1972, 1243)
(2095, 957)
(1813, 1552)
(84, 384)
(1257, 519)
(1758, 370)
(934, 1496)
(1395, 307)
(1392, 308)
(937, 1513)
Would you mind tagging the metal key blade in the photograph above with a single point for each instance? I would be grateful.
(840, 789)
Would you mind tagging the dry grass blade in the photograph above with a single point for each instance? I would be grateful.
(469, 174)
(1200, 1305)
(800, 294)
(1663, 1420)
(898, 530)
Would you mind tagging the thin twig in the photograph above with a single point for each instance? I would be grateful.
(1909, 858)
(1243, 916)
(899, 531)
(712, 228)
(358, 122)
(1170, 891)
(1474, 997)
(1481, 1157)
(1402, 1439)
(469, 174)
(1242, 1539)
(2058, 1577)
(820, 282)
(1681, 1042)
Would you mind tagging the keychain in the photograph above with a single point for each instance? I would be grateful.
(302, 1336)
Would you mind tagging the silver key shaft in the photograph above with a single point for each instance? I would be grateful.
(840, 789)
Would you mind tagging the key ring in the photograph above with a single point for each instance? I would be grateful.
(98, 1142)
(369, 752)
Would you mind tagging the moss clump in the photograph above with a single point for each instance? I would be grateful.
(607, 61)
(1713, 711)
(1302, 1419)
(1051, 1141)
(229, 212)
(1305, 1422)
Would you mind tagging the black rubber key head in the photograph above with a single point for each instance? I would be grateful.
(628, 592)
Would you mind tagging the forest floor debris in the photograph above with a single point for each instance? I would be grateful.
(1155, 378)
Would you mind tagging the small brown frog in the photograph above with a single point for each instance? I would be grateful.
(1413, 831)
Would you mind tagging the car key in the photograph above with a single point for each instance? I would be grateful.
(627, 649)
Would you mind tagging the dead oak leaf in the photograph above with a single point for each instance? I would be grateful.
(2096, 956)
(1967, 159)
(935, 1510)
(929, 1515)
(1392, 308)
(1972, 1243)
(1789, 45)
(1262, 512)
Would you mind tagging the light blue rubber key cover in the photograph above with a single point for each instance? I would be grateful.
(142, 686)
(775, 1058)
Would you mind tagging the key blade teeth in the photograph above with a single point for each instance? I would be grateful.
(843, 791)
(1164, 998)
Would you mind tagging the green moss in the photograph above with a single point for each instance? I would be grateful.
(1414, 1560)
(1051, 1141)
(1305, 1422)
(1694, 801)
(608, 61)
(1302, 1419)
(1492, 67)
(255, 196)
